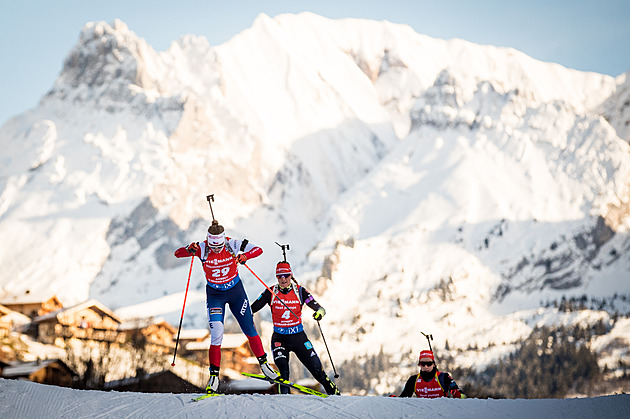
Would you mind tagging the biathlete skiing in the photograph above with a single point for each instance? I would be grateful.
(219, 256)
(286, 300)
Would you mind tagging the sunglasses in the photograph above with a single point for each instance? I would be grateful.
(425, 364)
(283, 276)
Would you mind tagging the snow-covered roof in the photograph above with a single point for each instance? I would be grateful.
(70, 310)
(230, 340)
(142, 323)
(194, 334)
(15, 317)
(28, 298)
(26, 368)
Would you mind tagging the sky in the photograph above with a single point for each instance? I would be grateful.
(37, 35)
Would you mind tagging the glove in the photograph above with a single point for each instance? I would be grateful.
(241, 259)
(319, 313)
(192, 248)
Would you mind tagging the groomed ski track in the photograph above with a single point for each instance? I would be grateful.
(23, 399)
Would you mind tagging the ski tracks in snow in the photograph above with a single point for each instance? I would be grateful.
(24, 399)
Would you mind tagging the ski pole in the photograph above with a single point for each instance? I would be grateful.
(192, 259)
(210, 199)
(429, 339)
(325, 344)
(273, 295)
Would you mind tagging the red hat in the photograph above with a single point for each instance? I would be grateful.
(426, 354)
(283, 268)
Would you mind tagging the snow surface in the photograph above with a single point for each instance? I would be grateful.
(20, 399)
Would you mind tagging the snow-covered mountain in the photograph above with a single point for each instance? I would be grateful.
(422, 184)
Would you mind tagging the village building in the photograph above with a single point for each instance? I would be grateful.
(193, 335)
(49, 371)
(154, 335)
(5, 323)
(11, 320)
(32, 305)
(87, 321)
(187, 336)
(236, 355)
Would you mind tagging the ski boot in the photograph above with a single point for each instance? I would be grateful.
(331, 387)
(266, 369)
(213, 383)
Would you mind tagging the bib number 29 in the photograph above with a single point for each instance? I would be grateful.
(219, 272)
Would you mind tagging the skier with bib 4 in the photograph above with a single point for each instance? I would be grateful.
(288, 332)
(219, 255)
(431, 383)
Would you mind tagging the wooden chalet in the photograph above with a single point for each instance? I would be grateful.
(195, 336)
(10, 320)
(32, 305)
(49, 371)
(5, 324)
(156, 335)
(236, 355)
(89, 321)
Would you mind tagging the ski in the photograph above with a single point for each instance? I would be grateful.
(287, 383)
(205, 396)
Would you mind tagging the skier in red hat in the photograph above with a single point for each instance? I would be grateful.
(288, 331)
(431, 383)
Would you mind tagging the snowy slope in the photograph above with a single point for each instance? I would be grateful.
(22, 399)
(507, 210)
(616, 109)
(414, 178)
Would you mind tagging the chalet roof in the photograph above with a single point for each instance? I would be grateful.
(4, 310)
(145, 322)
(24, 369)
(194, 334)
(28, 298)
(91, 304)
(15, 317)
(230, 340)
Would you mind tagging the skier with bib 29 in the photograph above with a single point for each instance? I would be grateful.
(288, 331)
(219, 255)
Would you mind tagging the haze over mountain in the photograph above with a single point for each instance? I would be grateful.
(422, 184)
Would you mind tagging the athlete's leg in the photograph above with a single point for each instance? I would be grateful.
(239, 306)
(280, 358)
(215, 305)
(307, 356)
